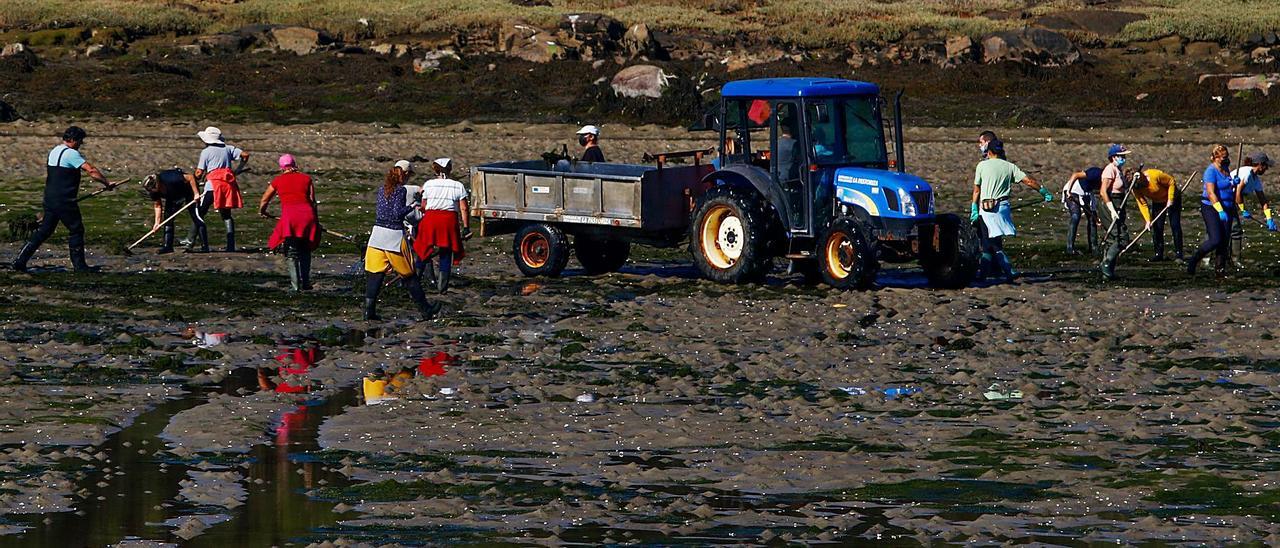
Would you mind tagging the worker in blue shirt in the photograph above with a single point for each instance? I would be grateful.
(62, 184)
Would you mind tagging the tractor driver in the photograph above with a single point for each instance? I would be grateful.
(589, 138)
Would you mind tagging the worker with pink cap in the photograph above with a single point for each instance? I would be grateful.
(298, 228)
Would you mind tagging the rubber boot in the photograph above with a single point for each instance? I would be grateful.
(372, 286)
(427, 309)
(167, 246)
(442, 281)
(304, 268)
(20, 263)
(985, 266)
(292, 264)
(427, 272)
(230, 225)
(1237, 246)
(77, 260)
(1005, 267)
(1071, 238)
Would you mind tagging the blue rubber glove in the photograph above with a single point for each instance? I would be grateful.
(1245, 213)
(1222, 216)
(1271, 225)
(973, 212)
(1048, 196)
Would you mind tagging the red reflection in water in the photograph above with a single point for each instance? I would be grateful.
(296, 361)
(289, 422)
(433, 365)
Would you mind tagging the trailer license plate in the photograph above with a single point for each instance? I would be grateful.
(540, 190)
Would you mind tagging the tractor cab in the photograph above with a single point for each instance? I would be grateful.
(813, 153)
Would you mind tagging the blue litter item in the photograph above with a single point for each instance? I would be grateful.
(896, 392)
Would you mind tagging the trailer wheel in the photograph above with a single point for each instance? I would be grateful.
(728, 236)
(949, 253)
(847, 254)
(541, 250)
(600, 255)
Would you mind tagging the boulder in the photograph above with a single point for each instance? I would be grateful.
(736, 61)
(431, 61)
(960, 50)
(640, 81)
(524, 41)
(1257, 82)
(8, 113)
(393, 50)
(299, 40)
(590, 35)
(1039, 47)
(1171, 45)
(1103, 23)
(20, 55)
(638, 41)
(226, 44)
(1202, 49)
(1262, 56)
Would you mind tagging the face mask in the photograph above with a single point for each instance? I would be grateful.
(582, 140)
(1120, 161)
(983, 147)
(1226, 163)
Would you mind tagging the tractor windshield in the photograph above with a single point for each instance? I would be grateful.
(847, 131)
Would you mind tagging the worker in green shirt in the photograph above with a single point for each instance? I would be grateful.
(992, 181)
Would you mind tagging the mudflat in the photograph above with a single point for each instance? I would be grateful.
(646, 406)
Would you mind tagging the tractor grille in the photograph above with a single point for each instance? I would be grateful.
(923, 200)
(891, 199)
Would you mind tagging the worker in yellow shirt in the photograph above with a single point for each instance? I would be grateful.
(1157, 190)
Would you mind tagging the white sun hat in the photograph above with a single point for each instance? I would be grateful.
(592, 130)
(443, 162)
(210, 135)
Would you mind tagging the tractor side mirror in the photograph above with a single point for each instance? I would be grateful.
(709, 121)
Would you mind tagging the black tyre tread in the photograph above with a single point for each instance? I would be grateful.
(865, 237)
(559, 253)
(949, 269)
(601, 256)
(754, 263)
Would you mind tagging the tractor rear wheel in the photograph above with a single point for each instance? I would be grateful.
(949, 252)
(728, 237)
(847, 254)
(541, 249)
(600, 255)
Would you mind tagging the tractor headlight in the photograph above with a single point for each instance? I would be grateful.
(908, 205)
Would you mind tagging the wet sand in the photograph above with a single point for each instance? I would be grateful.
(650, 406)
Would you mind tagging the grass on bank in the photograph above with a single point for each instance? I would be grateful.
(795, 22)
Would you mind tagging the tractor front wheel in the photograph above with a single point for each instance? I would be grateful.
(847, 254)
(949, 252)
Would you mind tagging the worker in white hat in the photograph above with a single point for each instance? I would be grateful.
(589, 138)
(444, 208)
(221, 189)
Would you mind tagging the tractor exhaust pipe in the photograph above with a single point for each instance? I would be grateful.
(897, 131)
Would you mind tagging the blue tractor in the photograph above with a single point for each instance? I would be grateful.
(804, 173)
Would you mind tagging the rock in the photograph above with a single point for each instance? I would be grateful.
(1032, 46)
(299, 40)
(684, 46)
(431, 61)
(1171, 45)
(1202, 49)
(1261, 56)
(960, 50)
(8, 113)
(1260, 82)
(640, 81)
(590, 35)
(741, 60)
(97, 51)
(396, 50)
(638, 41)
(1102, 23)
(524, 41)
(21, 55)
(224, 43)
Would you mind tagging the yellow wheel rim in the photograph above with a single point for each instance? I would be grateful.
(722, 237)
(841, 255)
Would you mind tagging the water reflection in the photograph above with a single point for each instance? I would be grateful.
(295, 364)
(379, 386)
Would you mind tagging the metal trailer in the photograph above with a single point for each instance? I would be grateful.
(605, 207)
